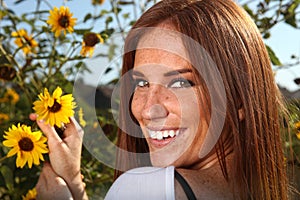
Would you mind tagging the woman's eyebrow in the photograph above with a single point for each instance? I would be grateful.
(179, 71)
(137, 73)
(170, 73)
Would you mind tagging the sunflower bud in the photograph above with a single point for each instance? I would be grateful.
(7, 72)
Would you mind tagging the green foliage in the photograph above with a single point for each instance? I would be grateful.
(269, 13)
(56, 61)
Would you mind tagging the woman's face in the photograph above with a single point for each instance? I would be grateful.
(166, 102)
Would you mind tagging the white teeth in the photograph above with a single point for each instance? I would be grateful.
(166, 134)
(159, 135)
(152, 134)
(172, 133)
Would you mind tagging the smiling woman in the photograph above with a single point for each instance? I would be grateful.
(237, 154)
(200, 113)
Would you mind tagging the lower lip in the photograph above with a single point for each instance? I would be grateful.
(162, 143)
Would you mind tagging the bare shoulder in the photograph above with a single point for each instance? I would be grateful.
(206, 184)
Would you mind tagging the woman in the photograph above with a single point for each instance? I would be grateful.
(198, 98)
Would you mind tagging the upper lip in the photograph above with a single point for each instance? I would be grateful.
(161, 128)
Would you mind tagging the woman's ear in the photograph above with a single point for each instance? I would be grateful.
(241, 113)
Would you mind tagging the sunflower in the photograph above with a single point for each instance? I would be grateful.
(29, 146)
(88, 44)
(24, 41)
(31, 195)
(11, 96)
(55, 109)
(61, 20)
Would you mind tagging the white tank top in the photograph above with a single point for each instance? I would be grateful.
(144, 183)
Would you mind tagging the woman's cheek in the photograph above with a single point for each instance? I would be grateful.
(137, 105)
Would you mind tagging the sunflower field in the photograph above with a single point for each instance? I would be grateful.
(46, 50)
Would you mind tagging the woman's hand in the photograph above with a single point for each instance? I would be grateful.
(50, 186)
(65, 154)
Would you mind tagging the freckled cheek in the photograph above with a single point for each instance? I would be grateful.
(190, 111)
(137, 105)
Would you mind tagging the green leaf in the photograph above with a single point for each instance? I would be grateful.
(112, 51)
(8, 177)
(107, 70)
(132, 22)
(87, 17)
(107, 33)
(19, 1)
(290, 14)
(103, 12)
(267, 35)
(249, 11)
(126, 2)
(274, 59)
(108, 20)
(82, 31)
(126, 15)
(291, 20)
(40, 12)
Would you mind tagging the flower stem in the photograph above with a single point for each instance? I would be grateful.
(3, 158)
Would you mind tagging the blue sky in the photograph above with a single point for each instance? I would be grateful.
(284, 40)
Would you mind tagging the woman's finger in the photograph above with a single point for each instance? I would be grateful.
(72, 128)
(32, 116)
(49, 131)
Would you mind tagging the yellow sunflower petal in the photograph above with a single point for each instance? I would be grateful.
(29, 159)
(31, 194)
(298, 135)
(35, 158)
(57, 93)
(10, 143)
(21, 160)
(13, 151)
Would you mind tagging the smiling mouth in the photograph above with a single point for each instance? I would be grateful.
(163, 134)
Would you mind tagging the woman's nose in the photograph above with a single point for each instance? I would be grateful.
(154, 106)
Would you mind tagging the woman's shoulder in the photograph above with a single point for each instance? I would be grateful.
(206, 184)
(144, 183)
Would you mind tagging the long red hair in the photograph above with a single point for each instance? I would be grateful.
(233, 41)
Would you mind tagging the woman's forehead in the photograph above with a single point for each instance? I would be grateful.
(163, 39)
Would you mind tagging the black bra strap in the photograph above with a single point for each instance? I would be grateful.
(185, 186)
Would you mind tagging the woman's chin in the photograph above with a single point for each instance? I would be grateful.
(161, 161)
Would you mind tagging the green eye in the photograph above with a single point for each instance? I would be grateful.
(181, 83)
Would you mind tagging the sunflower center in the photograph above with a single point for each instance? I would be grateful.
(55, 108)
(64, 21)
(26, 144)
(91, 39)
